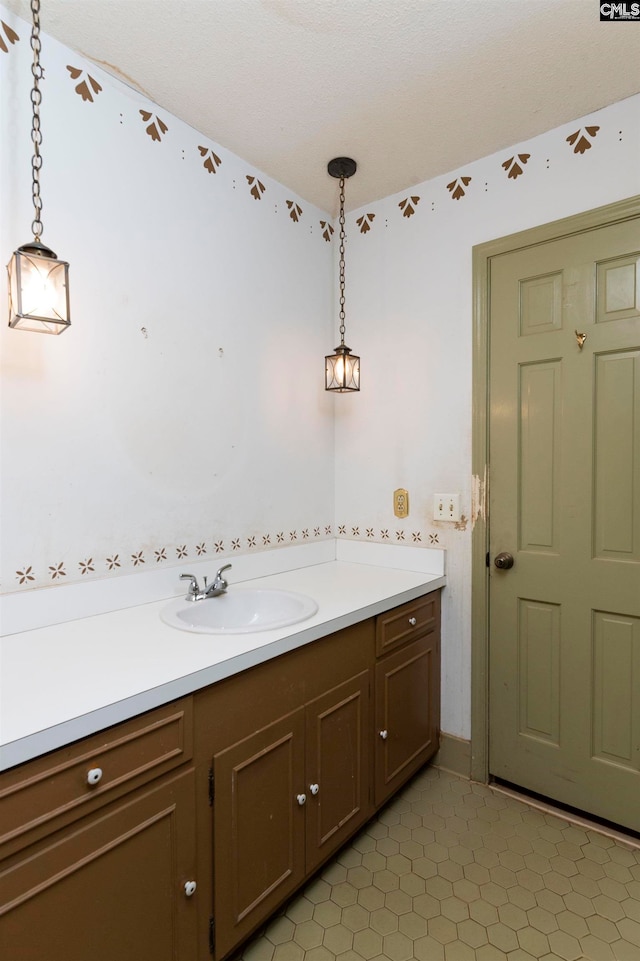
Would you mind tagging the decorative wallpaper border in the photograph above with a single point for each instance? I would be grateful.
(153, 125)
(122, 561)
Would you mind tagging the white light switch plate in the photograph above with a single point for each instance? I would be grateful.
(446, 507)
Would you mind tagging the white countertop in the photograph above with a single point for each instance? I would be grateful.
(65, 681)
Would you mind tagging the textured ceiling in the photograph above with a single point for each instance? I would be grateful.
(410, 88)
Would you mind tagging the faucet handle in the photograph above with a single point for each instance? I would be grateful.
(218, 585)
(194, 589)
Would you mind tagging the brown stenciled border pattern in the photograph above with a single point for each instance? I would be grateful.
(295, 210)
(457, 187)
(10, 35)
(157, 128)
(88, 88)
(581, 139)
(257, 187)
(364, 222)
(211, 160)
(515, 165)
(327, 230)
(408, 206)
(386, 534)
(119, 562)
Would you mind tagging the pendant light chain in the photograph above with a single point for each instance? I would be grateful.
(342, 368)
(38, 280)
(36, 134)
(342, 237)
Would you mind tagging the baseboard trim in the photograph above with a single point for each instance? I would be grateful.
(454, 755)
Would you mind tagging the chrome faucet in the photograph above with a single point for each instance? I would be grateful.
(218, 585)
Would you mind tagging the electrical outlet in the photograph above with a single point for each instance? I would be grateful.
(446, 507)
(401, 502)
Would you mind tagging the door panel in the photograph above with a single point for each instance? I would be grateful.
(539, 669)
(618, 289)
(617, 456)
(565, 500)
(616, 663)
(539, 474)
(407, 711)
(110, 886)
(258, 827)
(338, 739)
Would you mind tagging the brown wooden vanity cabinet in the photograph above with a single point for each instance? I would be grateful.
(97, 843)
(102, 842)
(288, 795)
(407, 692)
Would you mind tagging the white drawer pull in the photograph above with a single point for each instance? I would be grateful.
(314, 788)
(94, 776)
(301, 799)
(190, 888)
(412, 621)
(384, 735)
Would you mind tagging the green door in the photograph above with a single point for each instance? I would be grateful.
(564, 449)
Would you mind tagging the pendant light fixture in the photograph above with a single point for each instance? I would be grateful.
(342, 368)
(38, 281)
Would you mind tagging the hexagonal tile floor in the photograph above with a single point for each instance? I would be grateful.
(456, 871)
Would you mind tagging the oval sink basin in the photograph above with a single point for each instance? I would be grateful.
(239, 611)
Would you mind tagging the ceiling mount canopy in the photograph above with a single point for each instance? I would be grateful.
(342, 167)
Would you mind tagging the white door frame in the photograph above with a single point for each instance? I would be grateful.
(482, 254)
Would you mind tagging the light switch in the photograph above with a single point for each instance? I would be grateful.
(446, 507)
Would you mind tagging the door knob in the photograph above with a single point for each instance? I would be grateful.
(190, 888)
(503, 561)
(301, 799)
(314, 788)
(384, 735)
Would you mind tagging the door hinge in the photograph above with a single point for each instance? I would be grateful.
(212, 935)
(211, 786)
(487, 559)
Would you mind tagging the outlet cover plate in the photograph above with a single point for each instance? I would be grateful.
(446, 507)
(401, 502)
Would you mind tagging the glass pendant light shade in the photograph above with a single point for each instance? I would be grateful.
(38, 290)
(342, 370)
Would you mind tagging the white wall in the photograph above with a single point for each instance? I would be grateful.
(184, 408)
(157, 422)
(409, 290)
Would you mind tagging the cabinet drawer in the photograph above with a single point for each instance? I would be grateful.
(60, 785)
(407, 622)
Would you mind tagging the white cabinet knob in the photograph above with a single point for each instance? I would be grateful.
(384, 735)
(301, 799)
(314, 788)
(412, 621)
(94, 776)
(190, 888)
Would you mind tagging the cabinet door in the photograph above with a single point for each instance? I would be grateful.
(110, 886)
(407, 713)
(338, 767)
(258, 827)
